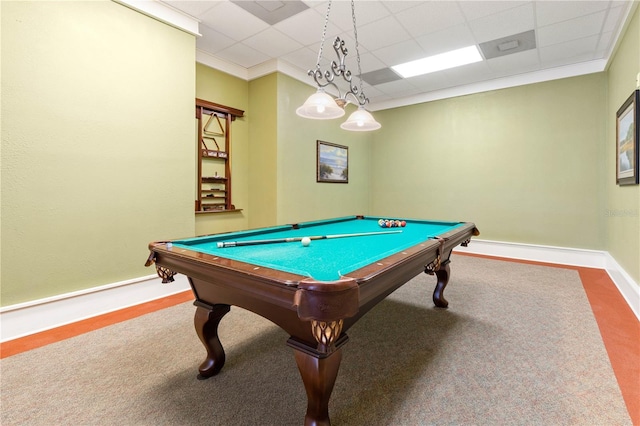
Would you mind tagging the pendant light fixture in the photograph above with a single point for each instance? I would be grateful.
(320, 105)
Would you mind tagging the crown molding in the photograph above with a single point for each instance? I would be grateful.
(575, 70)
(283, 67)
(211, 61)
(164, 13)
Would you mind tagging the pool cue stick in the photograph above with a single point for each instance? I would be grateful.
(293, 239)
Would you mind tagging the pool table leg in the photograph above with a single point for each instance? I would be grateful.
(443, 279)
(319, 376)
(206, 321)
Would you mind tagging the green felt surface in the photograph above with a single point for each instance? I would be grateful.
(326, 259)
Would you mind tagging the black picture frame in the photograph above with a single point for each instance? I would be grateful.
(627, 136)
(332, 165)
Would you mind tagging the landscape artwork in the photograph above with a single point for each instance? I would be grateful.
(627, 142)
(332, 163)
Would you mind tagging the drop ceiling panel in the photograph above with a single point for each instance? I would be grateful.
(382, 33)
(517, 63)
(234, 22)
(399, 53)
(572, 29)
(243, 55)
(568, 33)
(512, 21)
(560, 11)
(479, 9)
(306, 27)
(445, 40)
(272, 43)
(212, 41)
(429, 17)
(573, 51)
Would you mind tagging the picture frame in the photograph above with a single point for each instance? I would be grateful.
(627, 136)
(332, 164)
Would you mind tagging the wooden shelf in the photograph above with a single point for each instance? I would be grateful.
(218, 211)
(214, 179)
(214, 126)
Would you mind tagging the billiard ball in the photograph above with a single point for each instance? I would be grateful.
(306, 241)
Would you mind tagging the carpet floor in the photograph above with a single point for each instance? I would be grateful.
(518, 345)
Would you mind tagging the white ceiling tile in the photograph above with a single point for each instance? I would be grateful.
(193, 8)
(479, 9)
(470, 73)
(572, 29)
(304, 58)
(516, 63)
(550, 12)
(395, 86)
(431, 81)
(512, 21)
(445, 40)
(399, 53)
(372, 93)
(396, 6)
(613, 18)
(305, 27)
(243, 55)
(369, 62)
(366, 12)
(233, 21)
(382, 33)
(429, 17)
(272, 43)
(212, 41)
(563, 53)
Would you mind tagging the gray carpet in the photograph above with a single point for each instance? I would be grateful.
(518, 345)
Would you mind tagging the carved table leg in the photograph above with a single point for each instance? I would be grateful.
(443, 278)
(206, 321)
(319, 376)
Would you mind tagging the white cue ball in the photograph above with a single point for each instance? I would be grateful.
(306, 241)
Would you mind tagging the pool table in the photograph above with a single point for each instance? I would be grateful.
(314, 292)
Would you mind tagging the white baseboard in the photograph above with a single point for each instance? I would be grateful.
(627, 287)
(39, 315)
(44, 314)
(537, 253)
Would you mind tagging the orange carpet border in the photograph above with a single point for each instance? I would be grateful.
(36, 340)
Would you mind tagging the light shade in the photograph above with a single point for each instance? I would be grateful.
(361, 120)
(320, 106)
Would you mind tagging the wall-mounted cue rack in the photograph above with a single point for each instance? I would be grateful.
(214, 156)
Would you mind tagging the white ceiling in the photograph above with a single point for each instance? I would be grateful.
(572, 38)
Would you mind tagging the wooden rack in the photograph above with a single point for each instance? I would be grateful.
(214, 156)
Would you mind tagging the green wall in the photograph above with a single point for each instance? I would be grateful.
(622, 204)
(299, 196)
(264, 150)
(97, 110)
(98, 151)
(524, 164)
(221, 88)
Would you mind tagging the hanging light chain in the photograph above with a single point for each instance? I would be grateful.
(355, 34)
(324, 34)
(339, 68)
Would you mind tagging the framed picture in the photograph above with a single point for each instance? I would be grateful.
(332, 163)
(627, 141)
